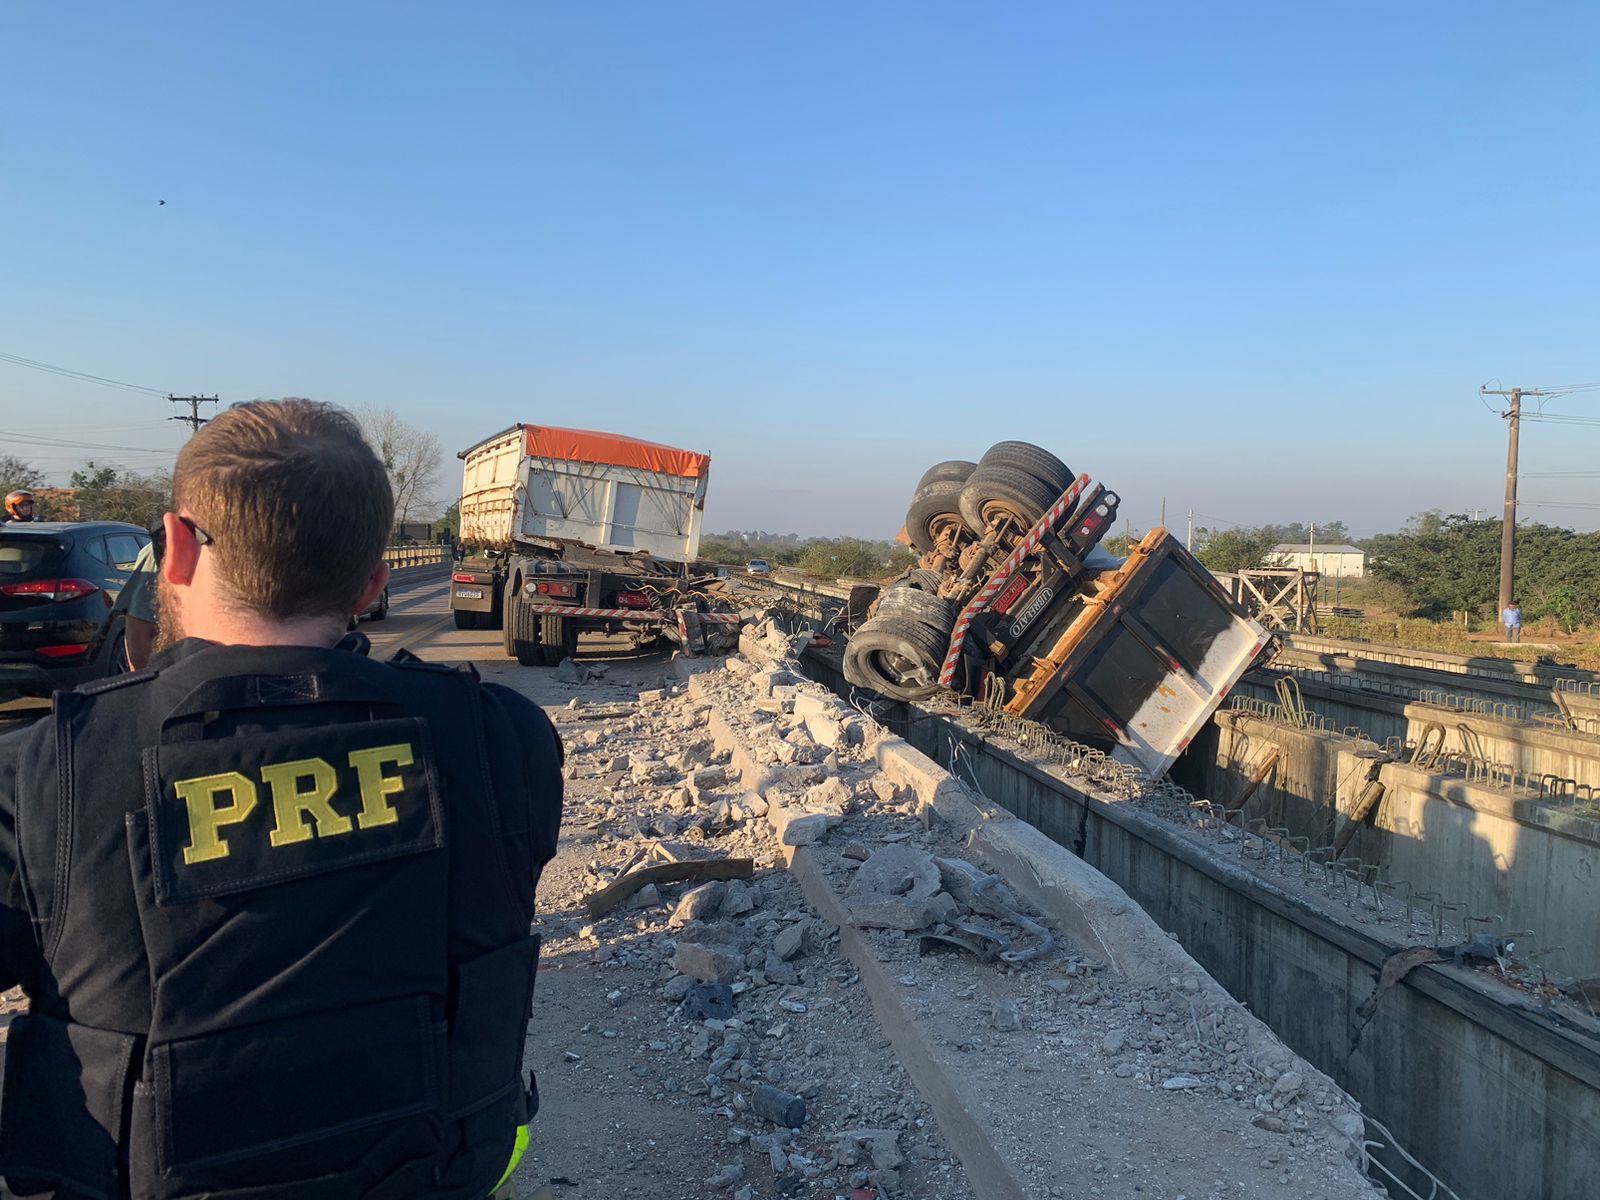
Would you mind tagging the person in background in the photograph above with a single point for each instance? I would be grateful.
(19, 507)
(1511, 618)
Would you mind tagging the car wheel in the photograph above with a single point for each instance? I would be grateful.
(382, 610)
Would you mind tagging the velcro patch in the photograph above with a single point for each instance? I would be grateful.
(243, 812)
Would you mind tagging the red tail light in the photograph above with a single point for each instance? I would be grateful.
(463, 577)
(62, 651)
(50, 589)
(632, 600)
(558, 589)
(1092, 523)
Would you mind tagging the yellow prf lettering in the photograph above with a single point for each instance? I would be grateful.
(291, 804)
(206, 816)
(375, 785)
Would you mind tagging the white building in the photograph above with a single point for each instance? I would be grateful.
(1334, 560)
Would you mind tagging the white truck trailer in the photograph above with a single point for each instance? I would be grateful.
(572, 530)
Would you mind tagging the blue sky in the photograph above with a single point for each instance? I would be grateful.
(1252, 259)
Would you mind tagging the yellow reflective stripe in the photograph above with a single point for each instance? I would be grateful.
(517, 1151)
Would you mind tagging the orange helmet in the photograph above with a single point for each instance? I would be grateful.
(15, 501)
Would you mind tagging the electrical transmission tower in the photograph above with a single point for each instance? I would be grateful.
(193, 420)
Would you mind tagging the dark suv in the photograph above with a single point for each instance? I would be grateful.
(58, 581)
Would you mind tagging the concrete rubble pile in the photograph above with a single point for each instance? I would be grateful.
(764, 1007)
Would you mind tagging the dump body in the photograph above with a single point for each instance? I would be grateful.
(1136, 658)
(550, 487)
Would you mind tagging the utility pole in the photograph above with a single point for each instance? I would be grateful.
(1163, 512)
(1508, 527)
(194, 420)
(1189, 541)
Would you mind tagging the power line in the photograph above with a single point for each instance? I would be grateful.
(1561, 474)
(25, 439)
(34, 364)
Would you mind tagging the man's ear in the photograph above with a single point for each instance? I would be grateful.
(376, 582)
(182, 553)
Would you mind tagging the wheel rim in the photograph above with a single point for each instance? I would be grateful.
(946, 524)
(1010, 519)
(898, 669)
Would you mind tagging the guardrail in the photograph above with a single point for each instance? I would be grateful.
(415, 556)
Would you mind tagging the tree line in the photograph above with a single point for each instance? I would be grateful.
(1444, 564)
(855, 558)
(109, 492)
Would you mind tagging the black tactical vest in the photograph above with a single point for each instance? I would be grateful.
(318, 984)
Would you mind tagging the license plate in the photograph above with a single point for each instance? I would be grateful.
(470, 593)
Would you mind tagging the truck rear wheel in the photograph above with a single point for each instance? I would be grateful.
(465, 619)
(1035, 460)
(558, 639)
(521, 642)
(1006, 494)
(957, 469)
(935, 509)
(895, 656)
(903, 600)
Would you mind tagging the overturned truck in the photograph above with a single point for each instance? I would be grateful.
(1014, 604)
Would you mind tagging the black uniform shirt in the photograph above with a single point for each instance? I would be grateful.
(524, 759)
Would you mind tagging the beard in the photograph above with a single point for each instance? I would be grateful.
(169, 629)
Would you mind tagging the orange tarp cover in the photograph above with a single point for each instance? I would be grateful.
(586, 445)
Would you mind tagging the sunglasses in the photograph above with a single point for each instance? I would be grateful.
(158, 536)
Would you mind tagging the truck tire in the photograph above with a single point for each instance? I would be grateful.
(558, 639)
(465, 619)
(935, 508)
(922, 580)
(1034, 460)
(895, 656)
(1006, 493)
(957, 469)
(521, 642)
(925, 607)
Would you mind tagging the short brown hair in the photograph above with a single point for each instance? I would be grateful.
(298, 506)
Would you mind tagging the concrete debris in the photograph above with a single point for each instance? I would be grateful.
(708, 962)
(698, 904)
(795, 826)
(575, 672)
(1006, 1016)
(791, 941)
(900, 871)
(765, 1025)
(727, 1176)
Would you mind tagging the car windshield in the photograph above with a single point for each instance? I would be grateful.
(23, 556)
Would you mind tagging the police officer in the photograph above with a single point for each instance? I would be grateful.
(269, 899)
(19, 507)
